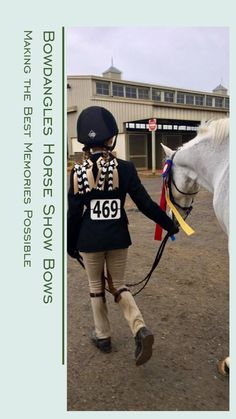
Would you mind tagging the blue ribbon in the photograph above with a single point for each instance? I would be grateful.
(167, 170)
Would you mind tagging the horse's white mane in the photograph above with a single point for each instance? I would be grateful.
(217, 128)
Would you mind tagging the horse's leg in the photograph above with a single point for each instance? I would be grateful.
(223, 366)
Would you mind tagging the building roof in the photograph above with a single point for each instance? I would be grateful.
(219, 87)
(112, 69)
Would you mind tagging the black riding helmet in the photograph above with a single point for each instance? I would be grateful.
(95, 126)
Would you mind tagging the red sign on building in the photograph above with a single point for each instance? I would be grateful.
(152, 124)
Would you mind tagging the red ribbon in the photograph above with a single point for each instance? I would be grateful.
(158, 230)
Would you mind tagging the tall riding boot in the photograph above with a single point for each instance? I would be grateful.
(102, 334)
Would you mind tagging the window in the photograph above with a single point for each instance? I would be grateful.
(130, 125)
(227, 102)
(219, 102)
(199, 100)
(140, 126)
(118, 90)
(209, 101)
(143, 93)
(102, 88)
(156, 95)
(180, 97)
(131, 91)
(189, 99)
(168, 127)
(169, 97)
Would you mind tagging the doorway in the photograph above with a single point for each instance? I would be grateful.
(137, 150)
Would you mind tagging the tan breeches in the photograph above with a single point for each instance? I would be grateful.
(113, 262)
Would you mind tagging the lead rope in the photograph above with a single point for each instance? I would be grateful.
(154, 265)
(156, 261)
(148, 276)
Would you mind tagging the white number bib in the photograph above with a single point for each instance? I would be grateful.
(105, 209)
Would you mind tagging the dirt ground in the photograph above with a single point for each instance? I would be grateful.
(186, 305)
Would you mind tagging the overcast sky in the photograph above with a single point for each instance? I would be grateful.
(185, 57)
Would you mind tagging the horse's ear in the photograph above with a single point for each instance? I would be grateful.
(167, 150)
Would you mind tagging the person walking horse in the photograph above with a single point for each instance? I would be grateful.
(98, 226)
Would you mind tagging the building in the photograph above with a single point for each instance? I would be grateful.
(178, 113)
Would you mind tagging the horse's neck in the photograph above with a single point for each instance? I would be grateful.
(207, 164)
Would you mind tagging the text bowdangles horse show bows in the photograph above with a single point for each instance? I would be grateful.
(165, 200)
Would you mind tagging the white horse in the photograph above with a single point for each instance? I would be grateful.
(204, 161)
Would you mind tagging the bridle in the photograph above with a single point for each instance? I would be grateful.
(171, 182)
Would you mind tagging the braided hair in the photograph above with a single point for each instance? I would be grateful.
(106, 171)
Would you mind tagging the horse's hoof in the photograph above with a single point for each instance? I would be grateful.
(223, 366)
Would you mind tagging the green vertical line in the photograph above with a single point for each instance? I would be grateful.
(63, 197)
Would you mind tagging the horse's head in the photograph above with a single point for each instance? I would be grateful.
(183, 185)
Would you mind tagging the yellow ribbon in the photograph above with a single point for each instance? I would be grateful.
(185, 227)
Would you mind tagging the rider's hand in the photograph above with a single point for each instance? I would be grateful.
(174, 229)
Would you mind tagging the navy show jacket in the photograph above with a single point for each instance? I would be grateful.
(87, 235)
